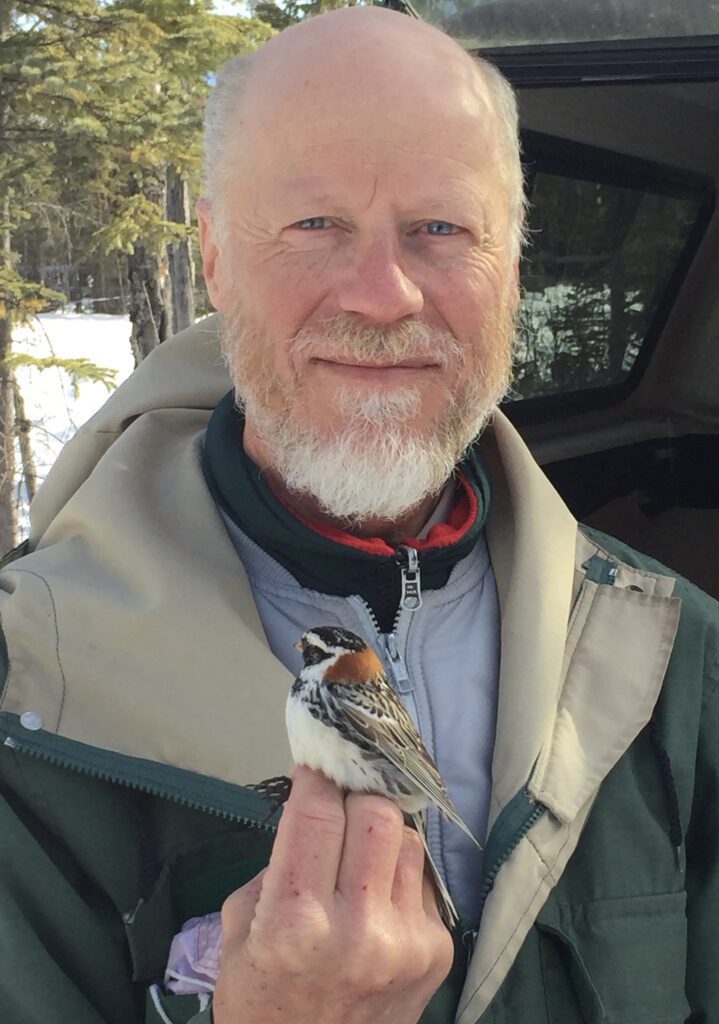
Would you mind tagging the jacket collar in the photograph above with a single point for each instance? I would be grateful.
(330, 560)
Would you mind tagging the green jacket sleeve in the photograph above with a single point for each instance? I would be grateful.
(702, 881)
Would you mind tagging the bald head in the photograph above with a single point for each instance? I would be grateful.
(357, 70)
(355, 41)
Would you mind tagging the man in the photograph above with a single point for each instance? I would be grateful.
(360, 235)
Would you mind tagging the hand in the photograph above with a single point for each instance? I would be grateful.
(341, 927)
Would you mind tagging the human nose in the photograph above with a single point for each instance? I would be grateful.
(377, 287)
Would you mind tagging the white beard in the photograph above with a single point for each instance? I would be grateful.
(372, 465)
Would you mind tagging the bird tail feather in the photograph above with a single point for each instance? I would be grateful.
(447, 909)
(455, 818)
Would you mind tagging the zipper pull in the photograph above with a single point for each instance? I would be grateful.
(469, 939)
(397, 664)
(411, 597)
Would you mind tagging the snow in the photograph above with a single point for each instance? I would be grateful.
(50, 404)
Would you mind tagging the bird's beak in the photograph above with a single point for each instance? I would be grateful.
(298, 646)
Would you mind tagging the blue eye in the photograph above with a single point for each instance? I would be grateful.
(442, 227)
(311, 223)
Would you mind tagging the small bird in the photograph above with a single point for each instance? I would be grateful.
(345, 720)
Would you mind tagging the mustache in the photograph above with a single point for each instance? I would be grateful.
(343, 336)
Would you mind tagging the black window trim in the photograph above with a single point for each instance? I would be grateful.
(677, 59)
(554, 155)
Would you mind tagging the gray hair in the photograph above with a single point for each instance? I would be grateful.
(220, 116)
(221, 112)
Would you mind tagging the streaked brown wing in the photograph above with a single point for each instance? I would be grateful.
(375, 711)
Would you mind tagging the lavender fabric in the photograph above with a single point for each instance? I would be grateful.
(194, 959)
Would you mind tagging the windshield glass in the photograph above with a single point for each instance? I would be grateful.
(488, 24)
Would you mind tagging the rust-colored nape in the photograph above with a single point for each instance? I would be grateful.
(355, 667)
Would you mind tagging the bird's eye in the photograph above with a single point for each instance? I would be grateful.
(314, 655)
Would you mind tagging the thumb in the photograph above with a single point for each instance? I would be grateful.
(238, 910)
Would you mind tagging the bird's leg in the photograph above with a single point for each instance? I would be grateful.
(275, 790)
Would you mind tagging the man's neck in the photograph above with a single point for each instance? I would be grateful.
(392, 531)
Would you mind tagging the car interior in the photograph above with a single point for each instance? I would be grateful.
(630, 439)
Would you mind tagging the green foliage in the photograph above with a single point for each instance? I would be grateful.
(78, 370)
(97, 99)
(281, 15)
(137, 219)
(21, 300)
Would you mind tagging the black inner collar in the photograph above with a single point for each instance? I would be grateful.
(318, 562)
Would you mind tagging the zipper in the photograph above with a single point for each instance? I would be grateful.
(523, 811)
(190, 789)
(518, 817)
(229, 801)
(397, 662)
(398, 672)
(408, 560)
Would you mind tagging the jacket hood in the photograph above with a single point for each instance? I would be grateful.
(187, 372)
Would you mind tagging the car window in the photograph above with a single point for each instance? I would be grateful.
(609, 240)
(497, 23)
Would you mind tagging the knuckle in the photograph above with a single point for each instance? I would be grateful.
(233, 908)
(441, 955)
(293, 941)
(431, 956)
(376, 955)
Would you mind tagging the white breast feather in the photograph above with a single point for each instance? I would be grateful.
(326, 750)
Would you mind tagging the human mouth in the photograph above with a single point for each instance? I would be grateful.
(375, 374)
(376, 365)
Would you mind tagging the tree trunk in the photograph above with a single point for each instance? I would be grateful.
(619, 225)
(23, 428)
(182, 267)
(8, 506)
(149, 287)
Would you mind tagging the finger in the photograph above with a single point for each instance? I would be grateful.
(238, 910)
(373, 838)
(308, 847)
(407, 888)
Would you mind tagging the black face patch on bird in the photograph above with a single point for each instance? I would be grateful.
(314, 655)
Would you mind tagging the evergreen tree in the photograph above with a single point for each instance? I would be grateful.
(100, 122)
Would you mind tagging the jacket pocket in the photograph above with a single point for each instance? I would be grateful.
(190, 885)
(624, 960)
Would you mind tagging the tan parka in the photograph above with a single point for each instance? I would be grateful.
(125, 619)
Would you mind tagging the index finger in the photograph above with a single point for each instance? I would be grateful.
(308, 847)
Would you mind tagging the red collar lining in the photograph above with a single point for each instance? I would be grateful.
(463, 515)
